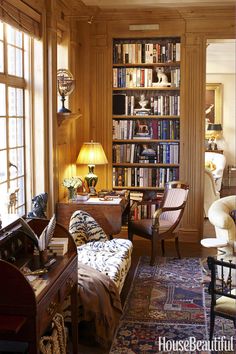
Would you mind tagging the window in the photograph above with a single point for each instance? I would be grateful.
(14, 68)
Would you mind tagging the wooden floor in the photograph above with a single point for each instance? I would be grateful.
(141, 247)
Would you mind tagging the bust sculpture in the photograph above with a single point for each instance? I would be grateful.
(39, 204)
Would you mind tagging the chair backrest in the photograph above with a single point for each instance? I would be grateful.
(224, 272)
(175, 196)
(210, 192)
(216, 163)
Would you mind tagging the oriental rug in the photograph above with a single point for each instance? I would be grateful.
(167, 300)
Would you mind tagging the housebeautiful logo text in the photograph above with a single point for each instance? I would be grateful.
(192, 344)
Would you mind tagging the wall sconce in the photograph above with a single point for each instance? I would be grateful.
(65, 86)
(91, 154)
(215, 133)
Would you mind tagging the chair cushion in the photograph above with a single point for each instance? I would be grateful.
(144, 226)
(112, 258)
(226, 305)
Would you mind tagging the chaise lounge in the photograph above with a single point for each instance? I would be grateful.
(102, 268)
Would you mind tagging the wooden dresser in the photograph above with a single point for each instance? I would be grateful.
(24, 316)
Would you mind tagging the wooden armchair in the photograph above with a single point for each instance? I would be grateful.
(163, 224)
(223, 294)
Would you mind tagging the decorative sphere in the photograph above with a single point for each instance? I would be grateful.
(65, 82)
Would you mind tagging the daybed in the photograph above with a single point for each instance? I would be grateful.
(102, 268)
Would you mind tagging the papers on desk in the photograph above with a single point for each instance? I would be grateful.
(111, 200)
(37, 283)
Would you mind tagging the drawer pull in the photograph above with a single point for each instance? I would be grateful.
(51, 308)
(70, 283)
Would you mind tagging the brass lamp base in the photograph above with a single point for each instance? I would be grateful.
(91, 180)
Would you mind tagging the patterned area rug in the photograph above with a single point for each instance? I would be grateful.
(168, 300)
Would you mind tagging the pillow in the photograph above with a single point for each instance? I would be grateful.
(210, 165)
(233, 215)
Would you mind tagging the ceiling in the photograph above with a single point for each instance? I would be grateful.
(220, 53)
(129, 4)
(221, 56)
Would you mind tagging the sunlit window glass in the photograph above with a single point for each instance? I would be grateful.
(1, 58)
(3, 164)
(1, 30)
(12, 116)
(2, 99)
(3, 142)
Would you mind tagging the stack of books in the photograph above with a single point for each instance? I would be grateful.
(58, 246)
(137, 196)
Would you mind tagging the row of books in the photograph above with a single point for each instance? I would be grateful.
(146, 129)
(144, 177)
(143, 77)
(143, 211)
(135, 53)
(166, 153)
(161, 104)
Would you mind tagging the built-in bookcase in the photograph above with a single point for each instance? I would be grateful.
(146, 112)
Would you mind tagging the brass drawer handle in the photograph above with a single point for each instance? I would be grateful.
(51, 308)
(70, 283)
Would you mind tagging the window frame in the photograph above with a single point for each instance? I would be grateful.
(16, 82)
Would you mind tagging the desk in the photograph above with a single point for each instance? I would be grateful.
(25, 317)
(108, 214)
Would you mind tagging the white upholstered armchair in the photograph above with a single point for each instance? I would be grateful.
(219, 216)
(216, 163)
(210, 192)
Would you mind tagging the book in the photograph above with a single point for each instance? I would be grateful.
(58, 245)
(41, 241)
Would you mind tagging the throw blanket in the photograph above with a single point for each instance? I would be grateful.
(99, 302)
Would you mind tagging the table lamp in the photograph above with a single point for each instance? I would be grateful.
(215, 132)
(91, 154)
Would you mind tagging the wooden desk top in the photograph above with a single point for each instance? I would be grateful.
(29, 311)
(108, 213)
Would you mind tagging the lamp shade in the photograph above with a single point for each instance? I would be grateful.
(92, 154)
(214, 127)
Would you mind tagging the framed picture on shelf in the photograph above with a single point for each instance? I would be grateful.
(213, 107)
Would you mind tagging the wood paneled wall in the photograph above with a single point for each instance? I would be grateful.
(90, 60)
(194, 27)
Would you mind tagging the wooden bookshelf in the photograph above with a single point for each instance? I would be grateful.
(146, 112)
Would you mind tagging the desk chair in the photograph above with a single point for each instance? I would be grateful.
(165, 220)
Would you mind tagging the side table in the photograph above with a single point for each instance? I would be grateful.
(108, 213)
(231, 169)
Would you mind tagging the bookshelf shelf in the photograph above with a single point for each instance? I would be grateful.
(144, 116)
(146, 112)
(67, 117)
(159, 88)
(146, 165)
(169, 64)
(146, 141)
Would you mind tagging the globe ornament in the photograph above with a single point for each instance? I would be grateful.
(65, 86)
